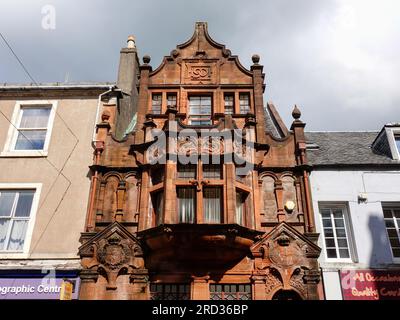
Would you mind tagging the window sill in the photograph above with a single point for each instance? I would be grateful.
(338, 262)
(24, 154)
(13, 255)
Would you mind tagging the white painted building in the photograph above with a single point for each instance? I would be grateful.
(355, 187)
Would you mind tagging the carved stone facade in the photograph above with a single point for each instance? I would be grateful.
(197, 193)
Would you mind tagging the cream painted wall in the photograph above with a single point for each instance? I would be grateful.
(368, 232)
(61, 214)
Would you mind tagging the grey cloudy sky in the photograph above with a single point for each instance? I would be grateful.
(339, 60)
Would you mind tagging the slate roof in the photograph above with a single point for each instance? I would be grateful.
(344, 148)
(270, 125)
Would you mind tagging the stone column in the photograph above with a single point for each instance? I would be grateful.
(200, 288)
(258, 287)
(87, 290)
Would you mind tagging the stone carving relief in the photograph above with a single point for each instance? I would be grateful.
(200, 72)
(273, 281)
(288, 252)
(111, 253)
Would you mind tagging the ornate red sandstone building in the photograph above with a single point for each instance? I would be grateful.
(193, 195)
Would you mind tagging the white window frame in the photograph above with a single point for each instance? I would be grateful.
(391, 205)
(12, 135)
(391, 133)
(7, 254)
(348, 230)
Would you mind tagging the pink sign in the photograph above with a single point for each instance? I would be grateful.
(370, 284)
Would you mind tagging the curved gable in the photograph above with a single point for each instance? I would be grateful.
(201, 60)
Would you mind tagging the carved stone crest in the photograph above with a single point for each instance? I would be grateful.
(113, 252)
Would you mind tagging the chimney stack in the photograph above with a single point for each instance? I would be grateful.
(127, 81)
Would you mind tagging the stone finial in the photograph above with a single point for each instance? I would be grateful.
(146, 59)
(131, 42)
(255, 58)
(296, 113)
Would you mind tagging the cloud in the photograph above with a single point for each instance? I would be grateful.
(337, 59)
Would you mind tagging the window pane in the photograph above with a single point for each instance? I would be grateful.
(34, 118)
(337, 213)
(339, 223)
(200, 110)
(171, 99)
(344, 253)
(331, 253)
(158, 206)
(212, 171)
(326, 213)
(24, 204)
(328, 232)
(244, 102)
(394, 242)
(396, 253)
(392, 233)
(187, 171)
(156, 103)
(387, 213)
(4, 224)
(397, 139)
(342, 243)
(327, 223)
(340, 232)
(229, 103)
(157, 175)
(330, 242)
(30, 140)
(389, 223)
(240, 203)
(212, 205)
(6, 203)
(17, 237)
(186, 204)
